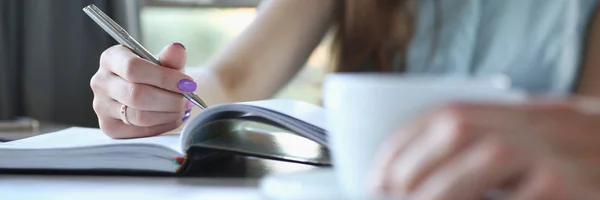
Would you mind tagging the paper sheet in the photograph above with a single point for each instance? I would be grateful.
(78, 137)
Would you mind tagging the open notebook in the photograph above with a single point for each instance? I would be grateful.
(278, 129)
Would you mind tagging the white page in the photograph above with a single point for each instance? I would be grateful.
(77, 137)
(309, 113)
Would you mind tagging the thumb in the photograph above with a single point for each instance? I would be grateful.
(173, 56)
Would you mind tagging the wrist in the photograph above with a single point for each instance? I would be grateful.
(210, 87)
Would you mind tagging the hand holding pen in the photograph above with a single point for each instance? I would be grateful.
(137, 95)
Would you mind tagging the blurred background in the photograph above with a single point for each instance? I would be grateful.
(49, 49)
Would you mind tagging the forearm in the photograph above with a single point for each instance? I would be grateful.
(266, 55)
(210, 87)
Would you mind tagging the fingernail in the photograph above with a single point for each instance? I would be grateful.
(187, 115)
(187, 85)
(189, 105)
(179, 43)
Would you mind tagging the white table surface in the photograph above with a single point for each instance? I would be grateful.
(113, 188)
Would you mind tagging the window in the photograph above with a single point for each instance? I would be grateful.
(205, 26)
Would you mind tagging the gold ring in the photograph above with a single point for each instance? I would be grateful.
(123, 111)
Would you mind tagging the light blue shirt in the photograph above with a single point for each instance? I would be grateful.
(537, 43)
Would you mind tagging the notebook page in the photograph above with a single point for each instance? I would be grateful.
(309, 113)
(77, 137)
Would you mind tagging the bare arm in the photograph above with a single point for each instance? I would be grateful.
(268, 53)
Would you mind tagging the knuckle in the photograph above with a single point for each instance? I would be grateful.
(95, 82)
(107, 55)
(131, 69)
(96, 105)
(135, 95)
(104, 58)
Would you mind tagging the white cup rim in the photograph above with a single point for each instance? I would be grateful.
(499, 81)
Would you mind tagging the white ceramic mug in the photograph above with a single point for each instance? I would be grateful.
(364, 109)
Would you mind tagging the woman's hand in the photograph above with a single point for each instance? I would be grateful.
(152, 94)
(534, 151)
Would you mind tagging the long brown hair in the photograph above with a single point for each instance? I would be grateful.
(372, 32)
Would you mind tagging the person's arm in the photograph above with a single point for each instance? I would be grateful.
(135, 98)
(267, 54)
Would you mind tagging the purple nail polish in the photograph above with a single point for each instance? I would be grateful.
(187, 115)
(187, 85)
(189, 105)
(179, 43)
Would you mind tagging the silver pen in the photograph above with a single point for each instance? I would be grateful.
(121, 36)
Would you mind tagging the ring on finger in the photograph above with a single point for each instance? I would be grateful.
(123, 111)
